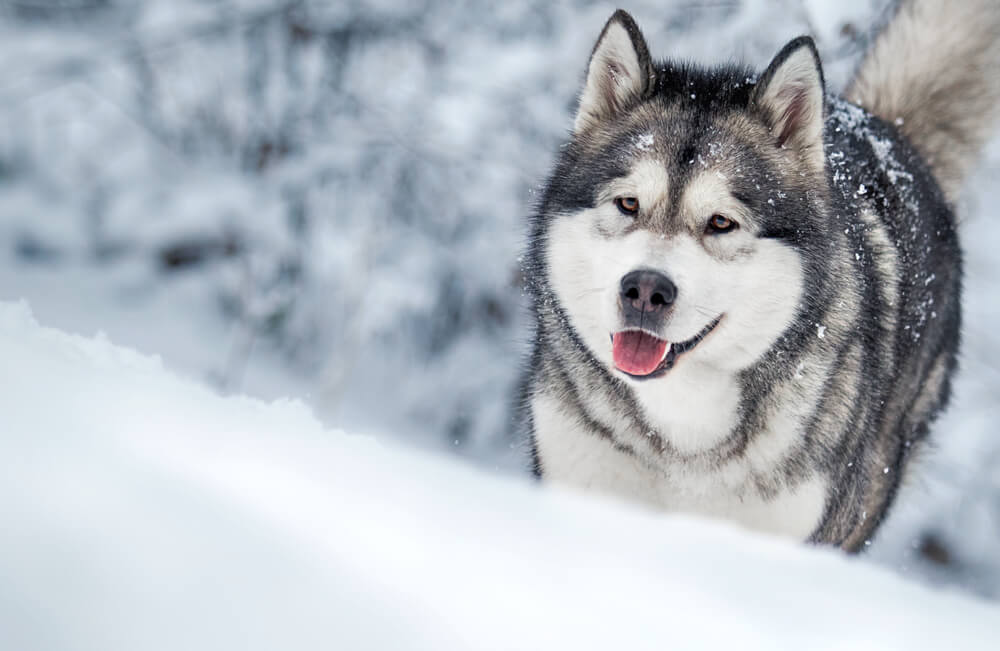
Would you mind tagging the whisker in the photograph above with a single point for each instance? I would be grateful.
(704, 311)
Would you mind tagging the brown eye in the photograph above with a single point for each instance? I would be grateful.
(720, 224)
(627, 205)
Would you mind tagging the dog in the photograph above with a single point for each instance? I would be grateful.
(746, 290)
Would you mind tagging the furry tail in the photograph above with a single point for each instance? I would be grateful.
(935, 71)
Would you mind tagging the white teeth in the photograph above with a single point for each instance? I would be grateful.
(666, 351)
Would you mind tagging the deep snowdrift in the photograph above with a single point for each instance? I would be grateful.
(141, 511)
(227, 184)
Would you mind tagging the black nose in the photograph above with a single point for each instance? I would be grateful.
(647, 292)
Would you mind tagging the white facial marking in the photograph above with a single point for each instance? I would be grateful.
(647, 182)
(754, 284)
(707, 194)
(695, 405)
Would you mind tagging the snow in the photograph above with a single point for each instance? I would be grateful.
(352, 179)
(644, 142)
(143, 511)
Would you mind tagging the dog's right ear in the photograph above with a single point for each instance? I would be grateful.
(620, 72)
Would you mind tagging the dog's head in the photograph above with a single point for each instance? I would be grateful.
(676, 219)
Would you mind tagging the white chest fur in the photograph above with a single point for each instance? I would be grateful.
(573, 455)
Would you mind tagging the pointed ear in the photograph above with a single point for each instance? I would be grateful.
(620, 71)
(790, 93)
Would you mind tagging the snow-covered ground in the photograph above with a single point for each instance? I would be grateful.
(326, 201)
(143, 511)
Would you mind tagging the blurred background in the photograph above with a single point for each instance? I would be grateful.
(326, 200)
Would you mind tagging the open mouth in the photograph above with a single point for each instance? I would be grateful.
(642, 355)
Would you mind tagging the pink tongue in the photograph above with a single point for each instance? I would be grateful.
(637, 352)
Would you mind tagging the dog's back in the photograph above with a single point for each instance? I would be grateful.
(933, 74)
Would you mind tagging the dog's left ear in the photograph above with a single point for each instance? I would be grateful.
(790, 93)
(619, 73)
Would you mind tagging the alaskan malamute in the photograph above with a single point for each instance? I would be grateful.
(746, 289)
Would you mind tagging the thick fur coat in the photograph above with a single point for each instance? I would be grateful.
(746, 290)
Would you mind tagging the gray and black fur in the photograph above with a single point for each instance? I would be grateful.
(876, 235)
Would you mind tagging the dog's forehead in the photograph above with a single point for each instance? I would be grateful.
(681, 141)
(683, 138)
(683, 146)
